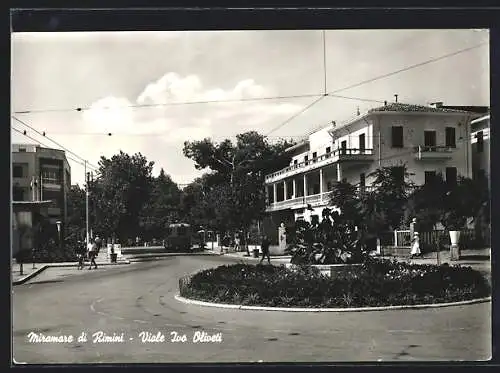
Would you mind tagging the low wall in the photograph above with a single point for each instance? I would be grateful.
(395, 250)
(330, 270)
(274, 250)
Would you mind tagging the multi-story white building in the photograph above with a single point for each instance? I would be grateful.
(429, 140)
(480, 140)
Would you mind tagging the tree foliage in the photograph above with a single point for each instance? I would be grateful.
(232, 195)
(384, 207)
(120, 193)
(162, 208)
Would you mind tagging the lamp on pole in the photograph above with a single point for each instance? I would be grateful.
(87, 176)
(59, 233)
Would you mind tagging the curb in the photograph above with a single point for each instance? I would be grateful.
(57, 265)
(145, 258)
(361, 309)
(30, 276)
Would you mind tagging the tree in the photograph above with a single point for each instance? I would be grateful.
(241, 167)
(120, 193)
(344, 196)
(386, 204)
(162, 208)
(426, 203)
(76, 221)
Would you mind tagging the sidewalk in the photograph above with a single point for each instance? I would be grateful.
(30, 271)
(277, 259)
(477, 259)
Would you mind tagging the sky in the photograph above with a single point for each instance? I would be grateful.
(126, 84)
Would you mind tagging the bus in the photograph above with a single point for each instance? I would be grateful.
(179, 237)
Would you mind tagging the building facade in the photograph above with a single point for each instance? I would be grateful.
(41, 174)
(428, 140)
(480, 143)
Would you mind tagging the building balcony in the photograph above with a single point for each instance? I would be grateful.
(300, 202)
(433, 152)
(52, 184)
(338, 155)
(321, 199)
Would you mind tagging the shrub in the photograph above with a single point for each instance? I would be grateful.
(332, 241)
(375, 283)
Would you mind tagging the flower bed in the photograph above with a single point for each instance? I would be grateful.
(376, 283)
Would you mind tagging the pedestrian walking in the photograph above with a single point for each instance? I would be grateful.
(81, 254)
(265, 249)
(98, 243)
(92, 250)
(237, 242)
(415, 246)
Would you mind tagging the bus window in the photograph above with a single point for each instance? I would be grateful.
(181, 230)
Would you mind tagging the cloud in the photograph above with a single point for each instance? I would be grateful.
(117, 115)
(159, 131)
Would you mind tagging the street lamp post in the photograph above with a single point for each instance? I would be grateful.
(87, 175)
(59, 233)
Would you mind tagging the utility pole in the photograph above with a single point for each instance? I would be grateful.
(87, 176)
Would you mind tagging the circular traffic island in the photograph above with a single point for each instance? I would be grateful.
(372, 284)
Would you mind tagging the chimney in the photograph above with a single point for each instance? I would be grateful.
(385, 103)
(396, 97)
(357, 110)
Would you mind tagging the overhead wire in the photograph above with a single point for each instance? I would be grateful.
(48, 146)
(53, 141)
(408, 68)
(334, 92)
(138, 106)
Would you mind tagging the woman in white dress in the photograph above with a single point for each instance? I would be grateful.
(415, 247)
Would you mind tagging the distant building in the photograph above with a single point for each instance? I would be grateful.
(428, 139)
(27, 218)
(41, 174)
(480, 141)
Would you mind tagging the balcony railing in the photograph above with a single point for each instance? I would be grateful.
(322, 160)
(433, 152)
(318, 199)
(299, 202)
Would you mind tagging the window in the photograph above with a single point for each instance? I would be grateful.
(451, 175)
(22, 150)
(294, 161)
(397, 136)
(480, 174)
(430, 140)
(306, 158)
(480, 142)
(362, 144)
(50, 176)
(181, 230)
(328, 150)
(430, 177)
(18, 194)
(315, 155)
(343, 147)
(17, 171)
(398, 173)
(450, 137)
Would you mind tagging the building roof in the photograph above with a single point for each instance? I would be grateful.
(481, 119)
(400, 107)
(298, 145)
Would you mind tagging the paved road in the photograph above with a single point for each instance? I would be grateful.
(140, 297)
